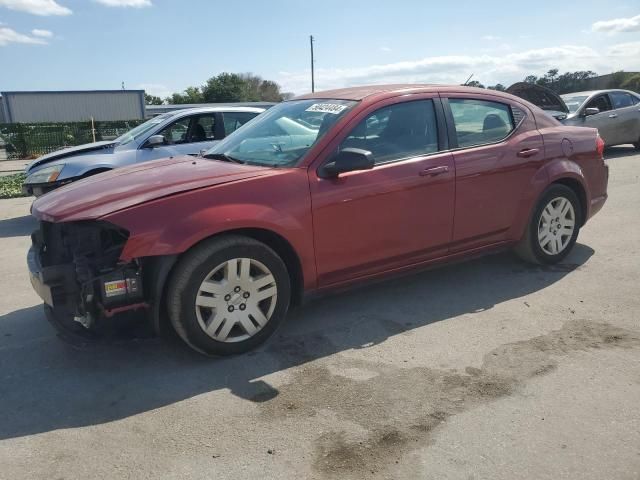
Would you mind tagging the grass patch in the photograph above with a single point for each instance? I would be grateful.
(11, 186)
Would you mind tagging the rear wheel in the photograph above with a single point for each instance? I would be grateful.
(228, 295)
(553, 227)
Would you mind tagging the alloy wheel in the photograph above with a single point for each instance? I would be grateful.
(236, 300)
(556, 226)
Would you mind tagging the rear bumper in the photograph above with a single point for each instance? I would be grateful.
(598, 202)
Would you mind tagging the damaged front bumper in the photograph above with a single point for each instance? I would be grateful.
(75, 269)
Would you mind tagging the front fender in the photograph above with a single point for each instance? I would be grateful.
(81, 165)
(192, 229)
(278, 203)
(74, 171)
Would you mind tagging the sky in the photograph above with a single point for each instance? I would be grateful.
(164, 46)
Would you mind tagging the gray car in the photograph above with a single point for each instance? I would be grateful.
(182, 132)
(615, 113)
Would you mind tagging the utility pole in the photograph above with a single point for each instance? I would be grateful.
(313, 80)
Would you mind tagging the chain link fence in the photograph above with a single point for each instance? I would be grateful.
(30, 140)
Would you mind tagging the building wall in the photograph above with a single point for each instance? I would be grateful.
(73, 106)
(2, 116)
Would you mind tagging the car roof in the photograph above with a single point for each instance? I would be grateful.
(365, 91)
(589, 93)
(217, 109)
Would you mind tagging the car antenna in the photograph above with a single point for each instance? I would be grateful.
(470, 76)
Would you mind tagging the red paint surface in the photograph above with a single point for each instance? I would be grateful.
(361, 224)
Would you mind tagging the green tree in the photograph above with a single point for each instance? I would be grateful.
(474, 83)
(190, 95)
(617, 79)
(632, 83)
(152, 99)
(498, 86)
(231, 87)
(226, 87)
(552, 74)
(530, 79)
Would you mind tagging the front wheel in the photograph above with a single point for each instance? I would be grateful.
(228, 295)
(553, 228)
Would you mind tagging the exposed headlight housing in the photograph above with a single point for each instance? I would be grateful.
(45, 175)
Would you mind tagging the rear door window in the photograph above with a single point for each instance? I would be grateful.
(402, 130)
(202, 128)
(621, 99)
(234, 120)
(479, 122)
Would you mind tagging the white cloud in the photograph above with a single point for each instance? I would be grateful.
(618, 25)
(36, 7)
(157, 89)
(8, 35)
(385, 49)
(631, 50)
(36, 32)
(490, 38)
(125, 3)
(488, 68)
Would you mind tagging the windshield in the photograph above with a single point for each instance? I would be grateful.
(283, 134)
(573, 102)
(141, 129)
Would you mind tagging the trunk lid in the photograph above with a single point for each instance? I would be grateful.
(542, 97)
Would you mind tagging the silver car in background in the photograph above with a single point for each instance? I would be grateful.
(615, 113)
(181, 132)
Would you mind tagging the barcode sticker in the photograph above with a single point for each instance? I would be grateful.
(334, 108)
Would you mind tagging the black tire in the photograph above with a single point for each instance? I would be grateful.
(529, 248)
(192, 269)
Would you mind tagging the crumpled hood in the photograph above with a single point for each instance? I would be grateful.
(107, 146)
(126, 187)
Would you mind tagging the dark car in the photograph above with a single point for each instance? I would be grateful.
(389, 179)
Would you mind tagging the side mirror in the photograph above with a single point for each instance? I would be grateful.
(154, 141)
(591, 111)
(347, 160)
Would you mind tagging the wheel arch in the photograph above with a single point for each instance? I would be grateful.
(578, 188)
(285, 251)
(159, 271)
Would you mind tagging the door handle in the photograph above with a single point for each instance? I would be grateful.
(613, 115)
(433, 171)
(528, 152)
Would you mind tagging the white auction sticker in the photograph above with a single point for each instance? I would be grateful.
(334, 108)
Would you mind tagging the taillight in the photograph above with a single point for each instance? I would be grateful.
(600, 146)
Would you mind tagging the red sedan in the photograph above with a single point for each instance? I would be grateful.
(317, 193)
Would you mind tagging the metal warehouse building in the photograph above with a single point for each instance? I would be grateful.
(71, 106)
